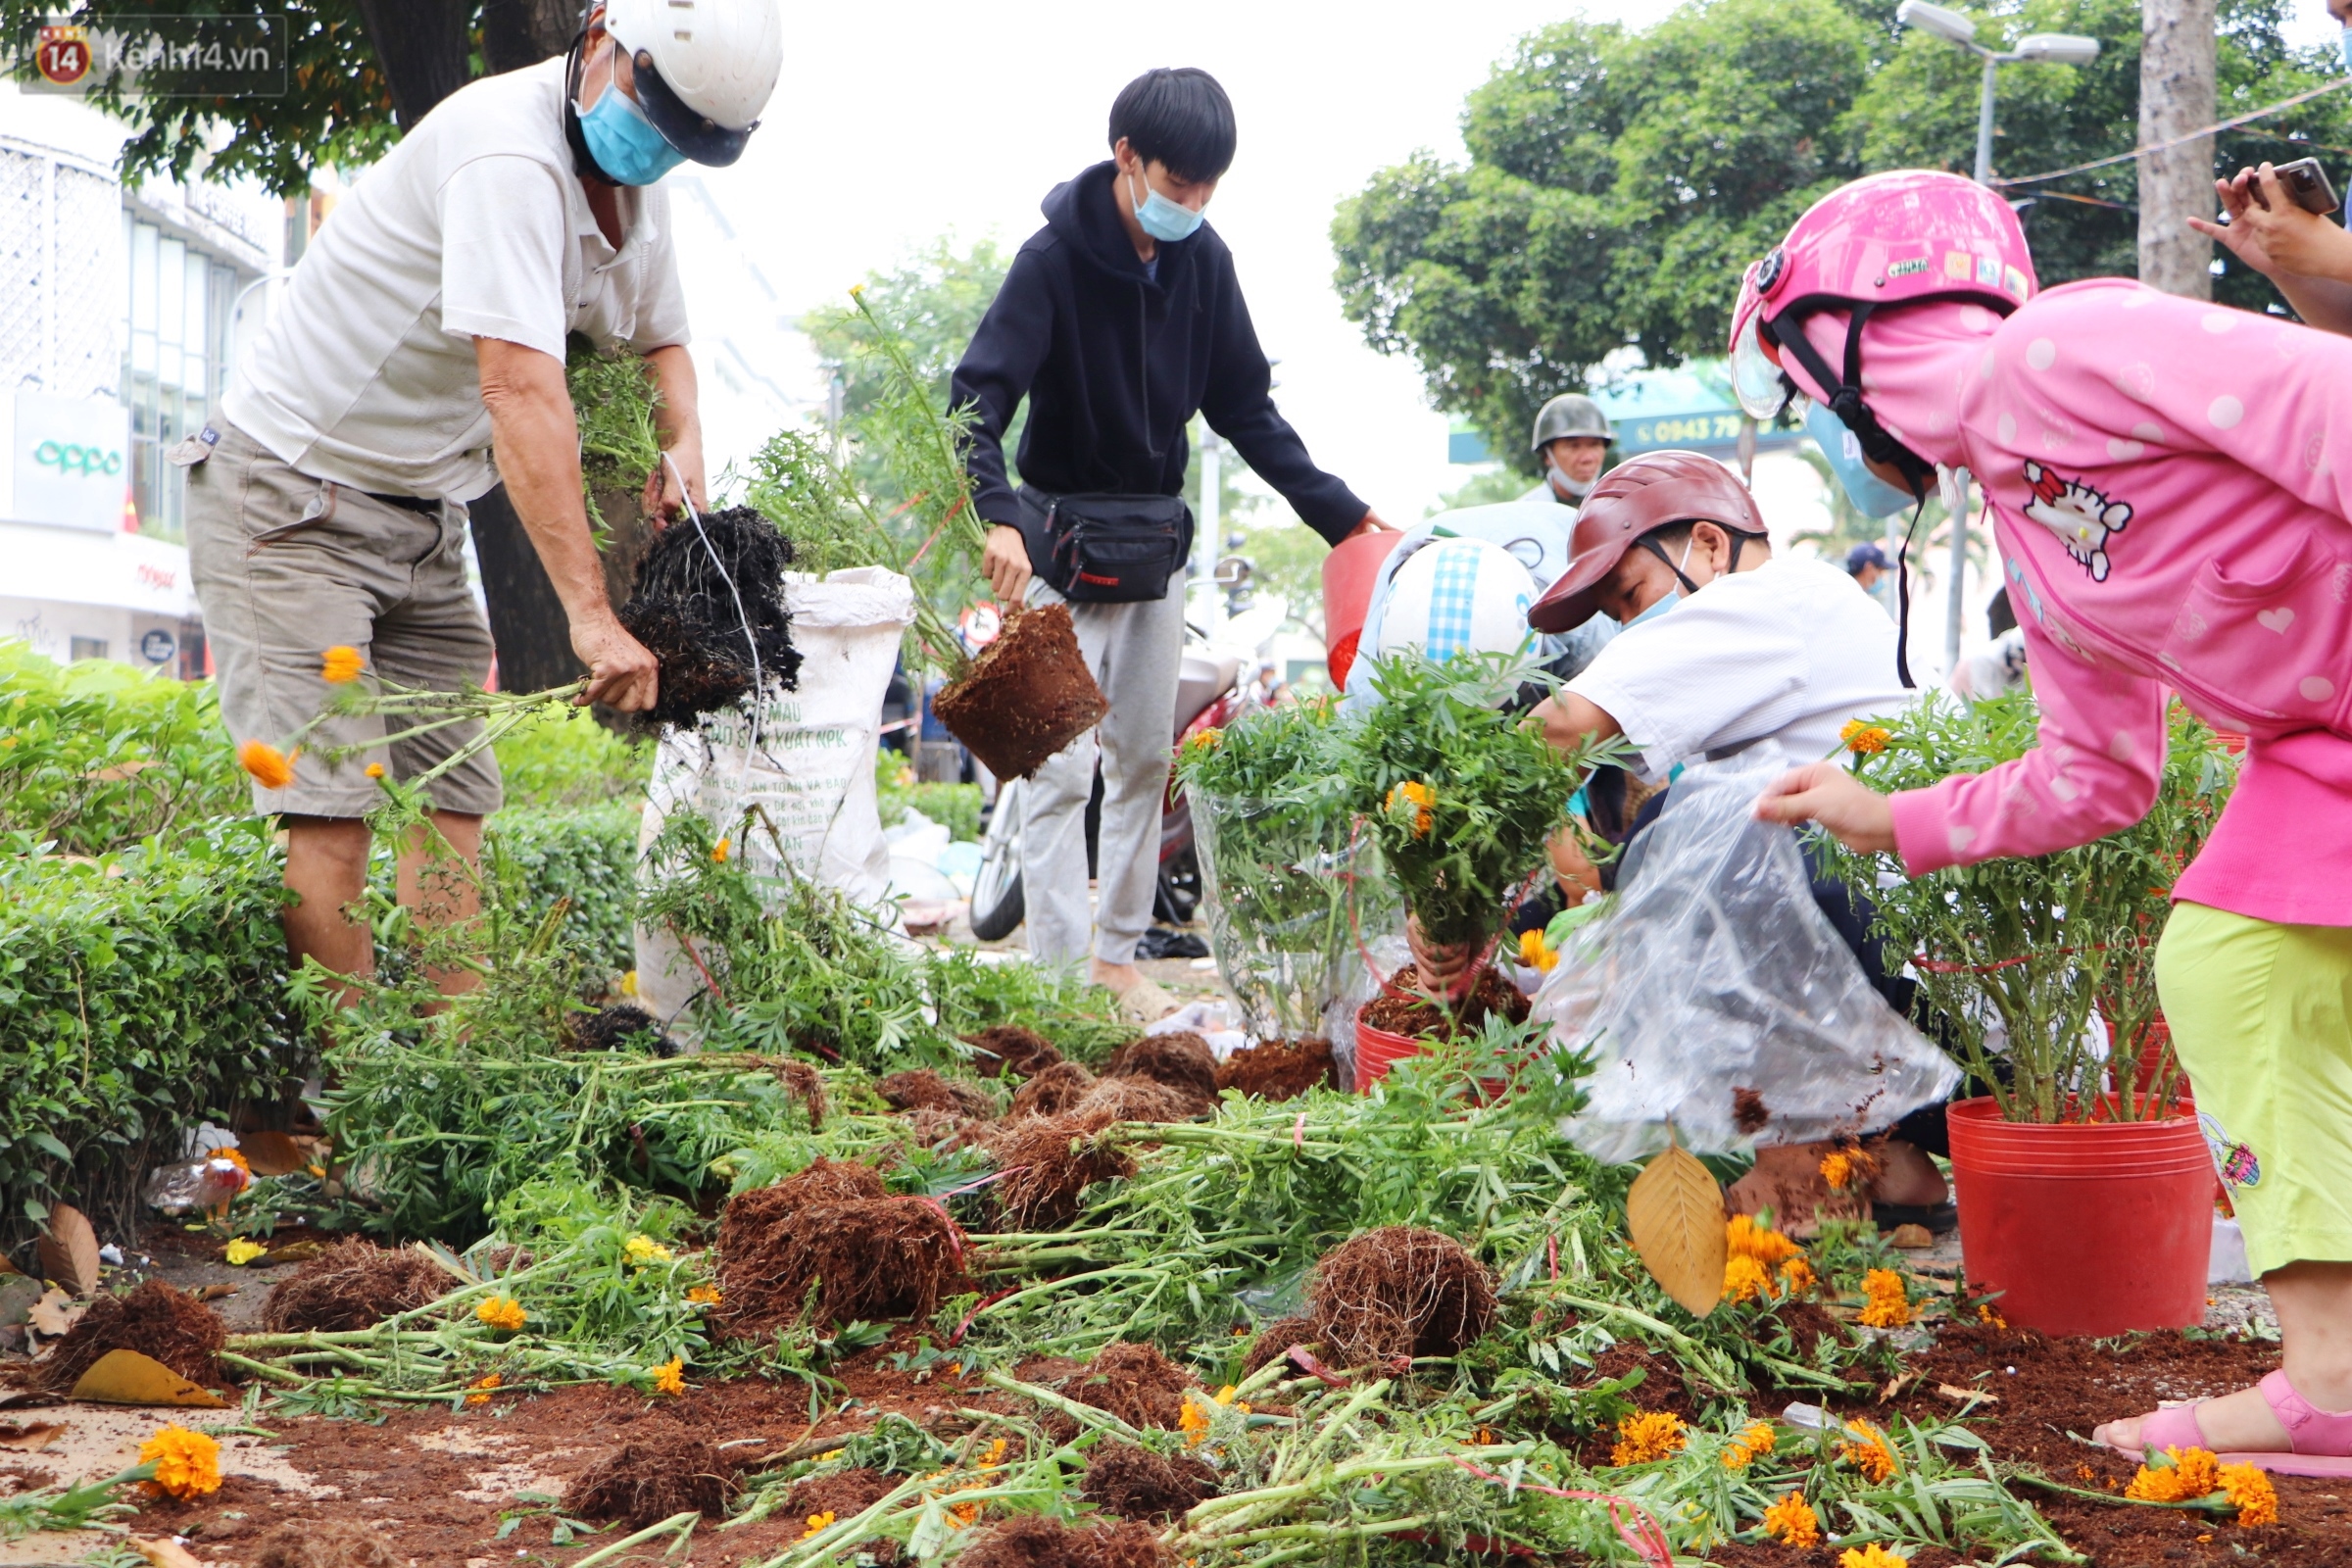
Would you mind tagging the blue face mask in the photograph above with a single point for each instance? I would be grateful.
(1666, 601)
(622, 141)
(1871, 495)
(2346, 46)
(1162, 218)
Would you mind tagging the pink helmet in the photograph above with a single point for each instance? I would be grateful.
(1896, 238)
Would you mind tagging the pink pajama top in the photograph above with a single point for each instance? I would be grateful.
(2170, 483)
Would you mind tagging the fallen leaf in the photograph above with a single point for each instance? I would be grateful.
(70, 1251)
(1910, 1238)
(1675, 1213)
(212, 1292)
(26, 1400)
(30, 1437)
(291, 1252)
(1963, 1395)
(1896, 1383)
(55, 1312)
(125, 1377)
(167, 1554)
(270, 1154)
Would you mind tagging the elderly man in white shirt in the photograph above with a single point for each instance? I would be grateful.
(415, 360)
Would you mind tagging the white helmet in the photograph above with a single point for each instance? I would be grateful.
(702, 68)
(1455, 596)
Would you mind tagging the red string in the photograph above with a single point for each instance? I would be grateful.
(1551, 1249)
(1643, 1536)
(935, 532)
(1298, 1134)
(709, 978)
(1305, 1360)
(978, 1307)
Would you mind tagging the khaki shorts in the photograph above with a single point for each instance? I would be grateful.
(287, 566)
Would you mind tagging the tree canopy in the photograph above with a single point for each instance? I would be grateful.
(1619, 181)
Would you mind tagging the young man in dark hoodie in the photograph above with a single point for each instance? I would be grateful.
(1119, 320)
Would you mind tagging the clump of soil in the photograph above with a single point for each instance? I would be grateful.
(801, 1082)
(1048, 1161)
(1275, 1339)
(1052, 1091)
(321, 1543)
(155, 1320)
(685, 612)
(1402, 1010)
(845, 1494)
(750, 1216)
(1750, 1114)
(1009, 1048)
(1181, 1060)
(933, 1128)
(1401, 1291)
(926, 1090)
(1143, 1099)
(1662, 1386)
(1134, 1383)
(1280, 1069)
(1137, 1483)
(618, 1026)
(353, 1283)
(877, 1257)
(660, 1471)
(1027, 696)
(1033, 1541)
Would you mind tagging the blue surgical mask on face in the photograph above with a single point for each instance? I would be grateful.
(1666, 601)
(1161, 218)
(622, 141)
(2346, 44)
(1871, 495)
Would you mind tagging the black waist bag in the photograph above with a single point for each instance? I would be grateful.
(1106, 549)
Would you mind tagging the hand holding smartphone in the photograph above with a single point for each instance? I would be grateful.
(2306, 185)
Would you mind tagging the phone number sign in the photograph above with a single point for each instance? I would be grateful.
(1714, 431)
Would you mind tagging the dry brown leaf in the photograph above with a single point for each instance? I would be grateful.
(125, 1377)
(1963, 1395)
(70, 1251)
(291, 1252)
(30, 1437)
(55, 1312)
(1896, 1383)
(212, 1292)
(167, 1554)
(1675, 1213)
(270, 1154)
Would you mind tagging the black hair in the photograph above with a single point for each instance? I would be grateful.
(1179, 117)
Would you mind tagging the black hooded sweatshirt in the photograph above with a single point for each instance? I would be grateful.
(1115, 361)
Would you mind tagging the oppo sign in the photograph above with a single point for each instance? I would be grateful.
(69, 459)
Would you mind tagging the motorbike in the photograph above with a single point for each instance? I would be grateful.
(1209, 695)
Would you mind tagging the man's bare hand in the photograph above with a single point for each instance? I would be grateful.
(1826, 793)
(2270, 233)
(1004, 561)
(664, 501)
(621, 672)
(1371, 524)
(1444, 970)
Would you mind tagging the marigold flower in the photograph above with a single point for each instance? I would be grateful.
(1747, 1238)
(1838, 1169)
(1207, 740)
(1796, 1275)
(1744, 1279)
(670, 1376)
(644, 1249)
(819, 1524)
(1423, 797)
(187, 1464)
(242, 1251)
(1873, 1555)
(502, 1312)
(1536, 952)
(2251, 1493)
(705, 1295)
(1868, 1452)
(719, 852)
(1793, 1522)
(1867, 740)
(1647, 1435)
(1745, 1449)
(1193, 1422)
(478, 1391)
(376, 771)
(1889, 1306)
(1986, 1315)
(2194, 1472)
(270, 767)
(341, 664)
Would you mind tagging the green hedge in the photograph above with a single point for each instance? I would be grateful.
(590, 856)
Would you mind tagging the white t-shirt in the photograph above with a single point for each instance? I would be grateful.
(1786, 653)
(473, 226)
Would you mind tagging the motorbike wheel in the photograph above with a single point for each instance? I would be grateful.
(997, 905)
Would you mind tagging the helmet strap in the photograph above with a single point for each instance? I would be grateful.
(1842, 396)
(1903, 596)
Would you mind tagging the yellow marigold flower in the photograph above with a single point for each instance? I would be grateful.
(1986, 1315)
(1868, 1452)
(502, 1312)
(187, 1464)
(1796, 1275)
(670, 1376)
(1421, 798)
(376, 771)
(1536, 952)
(1793, 1522)
(644, 1249)
(719, 852)
(995, 1455)
(1867, 740)
(856, 290)
(1207, 740)
(341, 664)
(2194, 1472)
(241, 1252)
(270, 767)
(1757, 1440)
(1838, 1169)
(830, 1455)
(1889, 1305)
(1193, 1422)
(819, 1524)
(705, 1295)
(1873, 1555)
(1650, 1434)
(1744, 1279)
(1747, 1238)
(478, 1391)
(2251, 1493)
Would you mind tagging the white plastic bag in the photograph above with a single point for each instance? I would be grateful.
(811, 771)
(1717, 996)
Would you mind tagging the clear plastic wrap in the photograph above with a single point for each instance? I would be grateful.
(1715, 995)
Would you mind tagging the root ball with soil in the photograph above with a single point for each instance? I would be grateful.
(1026, 697)
(1036, 1541)
(663, 1470)
(1278, 1069)
(1180, 1059)
(1135, 1383)
(156, 1321)
(1053, 1090)
(1008, 1048)
(353, 1285)
(877, 1259)
(1137, 1483)
(1142, 1099)
(321, 1543)
(620, 1026)
(1401, 1291)
(1048, 1161)
(923, 1089)
(710, 594)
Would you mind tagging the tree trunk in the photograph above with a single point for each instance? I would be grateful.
(2176, 96)
(522, 32)
(527, 623)
(424, 50)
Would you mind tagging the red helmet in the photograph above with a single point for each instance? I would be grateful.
(1641, 494)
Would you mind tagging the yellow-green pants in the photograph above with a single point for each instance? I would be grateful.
(2262, 1016)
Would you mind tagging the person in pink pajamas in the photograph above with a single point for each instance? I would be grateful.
(2169, 483)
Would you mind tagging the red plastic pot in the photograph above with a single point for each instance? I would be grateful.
(1376, 1051)
(2085, 1228)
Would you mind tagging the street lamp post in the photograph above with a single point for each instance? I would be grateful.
(2044, 48)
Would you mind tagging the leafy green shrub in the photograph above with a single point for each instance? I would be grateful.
(956, 807)
(134, 998)
(587, 855)
(97, 755)
(571, 761)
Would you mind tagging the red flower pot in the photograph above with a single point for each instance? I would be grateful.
(1376, 1051)
(2085, 1228)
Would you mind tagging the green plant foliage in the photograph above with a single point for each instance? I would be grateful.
(96, 755)
(584, 859)
(613, 401)
(565, 760)
(956, 807)
(2036, 944)
(972, 994)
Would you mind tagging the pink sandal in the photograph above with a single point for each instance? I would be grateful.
(2321, 1440)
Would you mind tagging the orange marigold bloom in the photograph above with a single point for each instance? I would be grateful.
(1793, 1522)
(705, 1294)
(501, 1312)
(1889, 1305)
(1747, 1238)
(1647, 1435)
(1838, 1169)
(819, 1524)
(1744, 1279)
(2250, 1491)
(376, 771)
(187, 1464)
(1208, 739)
(478, 1391)
(1536, 952)
(270, 767)
(1868, 1452)
(719, 852)
(341, 664)
(1986, 1314)
(2194, 1472)
(1757, 1440)
(670, 1376)
(1873, 1555)
(1421, 798)
(1796, 1275)
(1193, 1422)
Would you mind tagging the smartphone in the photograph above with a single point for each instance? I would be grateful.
(2307, 186)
